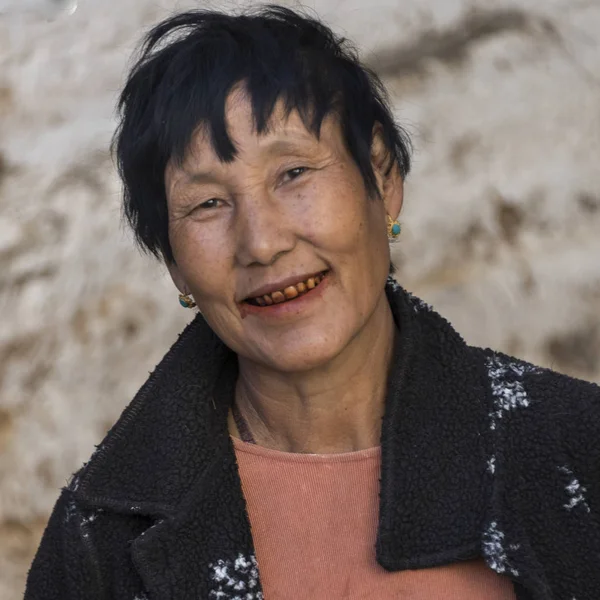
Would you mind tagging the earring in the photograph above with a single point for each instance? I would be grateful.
(393, 228)
(186, 301)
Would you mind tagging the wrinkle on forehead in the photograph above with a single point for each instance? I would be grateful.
(240, 122)
(287, 134)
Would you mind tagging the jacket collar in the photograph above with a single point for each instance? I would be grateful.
(170, 455)
(435, 488)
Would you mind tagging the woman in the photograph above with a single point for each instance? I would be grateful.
(316, 432)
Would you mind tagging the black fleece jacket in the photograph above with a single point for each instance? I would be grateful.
(483, 455)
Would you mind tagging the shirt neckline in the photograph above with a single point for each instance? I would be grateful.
(299, 457)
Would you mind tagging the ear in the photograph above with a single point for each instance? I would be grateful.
(388, 178)
(177, 277)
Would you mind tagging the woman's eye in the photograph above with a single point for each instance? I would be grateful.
(212, 203)
(295, 173)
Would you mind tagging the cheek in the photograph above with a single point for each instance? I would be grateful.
(340, 217)
(201, 253)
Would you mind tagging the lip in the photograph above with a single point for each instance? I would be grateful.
(280, 285)
(286, 312)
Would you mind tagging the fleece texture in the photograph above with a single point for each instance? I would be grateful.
(483, 455)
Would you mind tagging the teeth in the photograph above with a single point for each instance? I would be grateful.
(289, 293)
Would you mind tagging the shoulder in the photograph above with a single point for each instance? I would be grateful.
(542, 414)
(522, 385)
(60, 568)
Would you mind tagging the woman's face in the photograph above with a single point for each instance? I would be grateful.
(287, 211)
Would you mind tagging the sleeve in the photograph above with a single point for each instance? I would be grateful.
(583, 441)
(61, 569)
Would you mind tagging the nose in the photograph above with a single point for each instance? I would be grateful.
(263, 230)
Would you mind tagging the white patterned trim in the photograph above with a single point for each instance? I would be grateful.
(496, 551)
(236, 579)
(575, 491)
(508, 391)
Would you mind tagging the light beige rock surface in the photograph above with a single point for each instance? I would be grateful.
(501, 222)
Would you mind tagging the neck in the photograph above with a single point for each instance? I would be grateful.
(337, 407)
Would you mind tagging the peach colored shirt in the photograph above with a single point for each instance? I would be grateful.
(314, 523)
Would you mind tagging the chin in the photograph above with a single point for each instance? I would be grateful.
(298, 363)
(303, 355)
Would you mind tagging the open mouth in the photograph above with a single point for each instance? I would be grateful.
(291, 292)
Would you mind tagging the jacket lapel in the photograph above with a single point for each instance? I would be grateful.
(206, 548)
(170, 457)
(434, 488)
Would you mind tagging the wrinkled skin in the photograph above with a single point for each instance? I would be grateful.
(288, 204)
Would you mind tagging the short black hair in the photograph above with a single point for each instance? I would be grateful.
(188, 65)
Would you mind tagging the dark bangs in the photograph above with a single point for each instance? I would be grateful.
(188, 66)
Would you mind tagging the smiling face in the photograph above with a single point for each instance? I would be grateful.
(287, 224)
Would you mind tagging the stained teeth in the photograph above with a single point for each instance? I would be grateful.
(291, 292)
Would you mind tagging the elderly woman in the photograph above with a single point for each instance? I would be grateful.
(316, 432)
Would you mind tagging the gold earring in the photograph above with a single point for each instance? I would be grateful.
(393, 228)
(186, 301)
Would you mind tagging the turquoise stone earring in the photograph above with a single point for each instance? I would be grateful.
(393, 228)
(186, 301)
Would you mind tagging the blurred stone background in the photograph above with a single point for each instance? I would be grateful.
(501, 220)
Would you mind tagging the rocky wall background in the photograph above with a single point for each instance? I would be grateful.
(501, 220)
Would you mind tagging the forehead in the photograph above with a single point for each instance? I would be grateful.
(285, 131)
